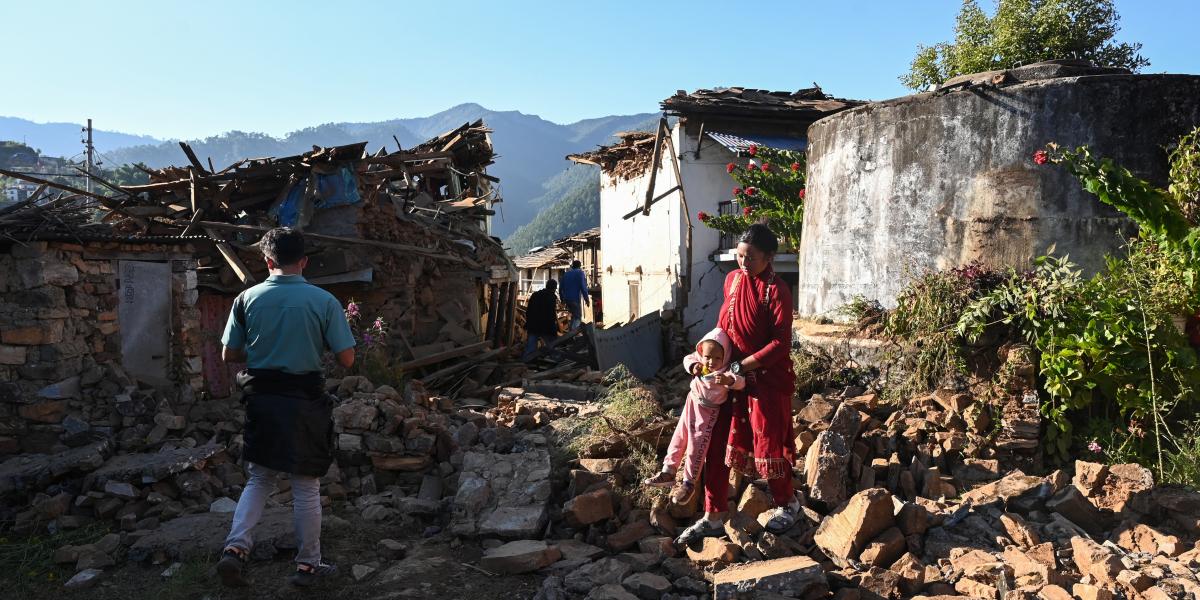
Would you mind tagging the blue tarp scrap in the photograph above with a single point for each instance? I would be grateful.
(287, 213)
(335, 189)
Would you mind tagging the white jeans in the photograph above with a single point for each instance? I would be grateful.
(306, 512)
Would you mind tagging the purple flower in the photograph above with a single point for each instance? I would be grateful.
(352, 309)
(378, 323)
(367, 339)
(1095, 447)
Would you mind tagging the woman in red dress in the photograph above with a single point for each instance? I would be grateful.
(757, 315)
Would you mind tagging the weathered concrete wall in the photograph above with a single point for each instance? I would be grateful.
(936, 181)
(707, 184)
(642, 252)
(656, 243)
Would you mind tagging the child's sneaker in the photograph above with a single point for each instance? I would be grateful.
(663, 479)
(229, 568)
(702, 528)
(683, 492)
(308, 575)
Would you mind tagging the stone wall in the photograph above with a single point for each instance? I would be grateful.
(60, 346)
(936, 180)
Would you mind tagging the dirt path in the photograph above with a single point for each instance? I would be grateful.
(432, 568)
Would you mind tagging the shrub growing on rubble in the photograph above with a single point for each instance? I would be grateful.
(626, 407)
(926, 313)
(1113, 347)
(1024, 32)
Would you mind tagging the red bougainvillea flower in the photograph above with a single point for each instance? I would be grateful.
(747, 211)
(1040, 157)
(753, 150)
(801, 194)
(703, 216)
(751, 166)
(750, 191)
(795, 167)
(766, 167)
(729, 168)
(737, 190)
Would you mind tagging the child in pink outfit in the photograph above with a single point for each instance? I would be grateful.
(710, 388)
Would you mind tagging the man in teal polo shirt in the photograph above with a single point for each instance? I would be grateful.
(281, 328)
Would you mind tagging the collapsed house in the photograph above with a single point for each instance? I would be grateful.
(654, 184)
(551, 261)
(136, 287)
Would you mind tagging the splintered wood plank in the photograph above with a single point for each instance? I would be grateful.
(239, 268)
(442, 356)
(191, 156)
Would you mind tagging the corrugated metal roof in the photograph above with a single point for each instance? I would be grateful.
(741, 145)
(63, 236)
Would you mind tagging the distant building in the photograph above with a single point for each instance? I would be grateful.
(19, 191)
(647, 264)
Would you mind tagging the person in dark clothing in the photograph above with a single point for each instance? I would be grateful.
(541, 318)
(281, 328)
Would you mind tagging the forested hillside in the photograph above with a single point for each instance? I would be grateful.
(571, 204)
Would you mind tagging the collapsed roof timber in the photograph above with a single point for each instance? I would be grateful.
(339, 195)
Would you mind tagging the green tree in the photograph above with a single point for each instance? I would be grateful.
(770, 189)
(129, 175)
(1024, 32)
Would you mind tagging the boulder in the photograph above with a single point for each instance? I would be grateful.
(911, 573)
(576, 550)
(715, 550)
(592, 507)
(1101, 563)
(845, 532)
(826, 469)
(754, 501)
(630, 534)
(592, 575)
(846, 422)
(796, 576)
(522, 556)
(610, 591)
(1070, 503)
(1019, 530)
(647, 586)
(884, 549)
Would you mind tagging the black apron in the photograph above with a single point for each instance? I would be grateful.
(289, 421)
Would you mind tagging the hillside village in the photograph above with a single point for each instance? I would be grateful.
(987, 294)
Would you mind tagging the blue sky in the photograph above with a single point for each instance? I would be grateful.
(192, 69)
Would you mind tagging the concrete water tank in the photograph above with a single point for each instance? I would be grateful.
(940, 179)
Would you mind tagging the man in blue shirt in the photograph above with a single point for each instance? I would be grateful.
(281, 328)
(574, 289)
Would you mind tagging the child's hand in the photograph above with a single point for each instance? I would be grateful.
(723, 378)
(696, 369)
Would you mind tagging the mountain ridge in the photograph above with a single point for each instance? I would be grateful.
(530, 150)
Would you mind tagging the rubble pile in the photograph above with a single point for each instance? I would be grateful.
(898, 502)
(626, 159)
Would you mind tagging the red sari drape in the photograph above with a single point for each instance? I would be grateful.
(757, 315)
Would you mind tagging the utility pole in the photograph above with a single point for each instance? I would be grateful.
(91, 150)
